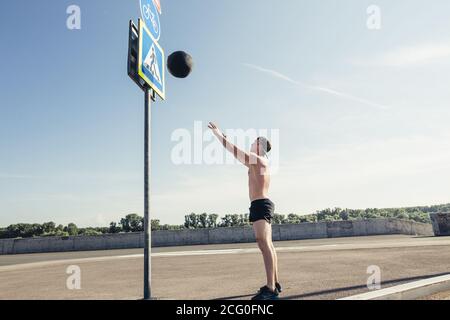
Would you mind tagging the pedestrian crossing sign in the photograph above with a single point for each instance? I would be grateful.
(151, 61)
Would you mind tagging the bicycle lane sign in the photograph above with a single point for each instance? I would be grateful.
(150, 12)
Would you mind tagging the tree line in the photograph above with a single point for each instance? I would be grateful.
(135, 223)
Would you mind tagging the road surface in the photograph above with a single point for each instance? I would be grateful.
(309, 269)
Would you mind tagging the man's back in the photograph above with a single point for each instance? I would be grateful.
(259, 180)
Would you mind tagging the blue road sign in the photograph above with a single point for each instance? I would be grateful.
(151, 61)
(150, 13)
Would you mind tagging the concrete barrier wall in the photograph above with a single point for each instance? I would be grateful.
(79, 243)
(441, 223)
(179, 237)
(284, 232)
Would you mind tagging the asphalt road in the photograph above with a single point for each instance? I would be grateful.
(309, 269)
(438, 296)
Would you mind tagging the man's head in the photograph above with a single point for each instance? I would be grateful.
(261, 146)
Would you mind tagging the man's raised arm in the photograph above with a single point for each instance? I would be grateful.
(244, 157)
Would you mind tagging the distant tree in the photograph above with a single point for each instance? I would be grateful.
(244, 220)
(155, 225)
(234, 220)
(102, 230)
(401, 214)
(212, 220)
(22, 230)
(191, 221)
(56, 233)
(323, 214)
(10, 231)
(72, 229)
(89, 232)
(187, 222)
(308, 218)
(203, 220)
(48, 227)
(114, 228)
(37, 230)
(278, 218)
(132, 223)
(293, 218)
(3, 233)
(171, 227)
(344, 215)
(227, 221)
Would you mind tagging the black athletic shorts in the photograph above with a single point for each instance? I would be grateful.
(262, 209)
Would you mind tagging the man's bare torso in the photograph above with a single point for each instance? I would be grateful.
(258, 181)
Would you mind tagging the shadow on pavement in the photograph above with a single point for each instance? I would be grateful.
(343, 289)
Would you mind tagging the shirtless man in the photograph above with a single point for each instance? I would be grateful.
(261, 209)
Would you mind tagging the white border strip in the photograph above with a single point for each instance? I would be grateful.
(408, 291)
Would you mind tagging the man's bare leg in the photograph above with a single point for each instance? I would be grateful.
(263, 234)
(275, 259)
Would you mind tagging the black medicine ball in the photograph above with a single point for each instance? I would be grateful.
(180, 64)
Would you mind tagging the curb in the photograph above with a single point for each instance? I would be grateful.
(408, 291)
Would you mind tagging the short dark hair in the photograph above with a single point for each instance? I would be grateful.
(267, 146)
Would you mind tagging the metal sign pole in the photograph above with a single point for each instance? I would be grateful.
(147, 221)
(146, 67)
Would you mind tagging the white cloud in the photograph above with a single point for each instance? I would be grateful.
(393, 172)
(321, 89)
(410, 56)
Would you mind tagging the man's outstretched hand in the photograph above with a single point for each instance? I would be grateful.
(214, 128)
(238, 153)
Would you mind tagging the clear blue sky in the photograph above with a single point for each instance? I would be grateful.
(363, 114)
